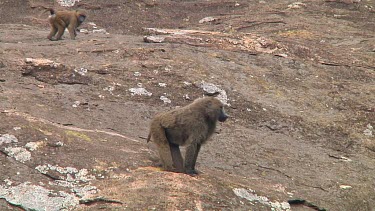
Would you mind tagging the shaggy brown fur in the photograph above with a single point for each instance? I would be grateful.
(189, 126)
(61, 20)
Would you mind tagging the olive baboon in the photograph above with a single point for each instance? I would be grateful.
(61, 20)
(189, 126)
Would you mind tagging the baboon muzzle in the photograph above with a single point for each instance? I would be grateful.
(223, 117)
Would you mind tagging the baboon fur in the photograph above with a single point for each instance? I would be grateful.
(189, 126)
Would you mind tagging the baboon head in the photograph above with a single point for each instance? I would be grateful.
(223, 116)
(81, 16)
(215, 109)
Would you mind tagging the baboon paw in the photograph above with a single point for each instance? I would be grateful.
(192, 172)
(177, 171)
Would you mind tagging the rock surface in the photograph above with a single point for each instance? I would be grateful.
(298, 80)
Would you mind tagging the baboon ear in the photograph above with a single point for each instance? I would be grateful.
(81, 18)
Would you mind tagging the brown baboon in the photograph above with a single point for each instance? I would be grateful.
(61, 20)
(189, 126)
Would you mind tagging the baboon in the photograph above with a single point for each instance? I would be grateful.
(61, 20)
(189, 126)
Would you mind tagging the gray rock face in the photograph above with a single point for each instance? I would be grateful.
(33, 197)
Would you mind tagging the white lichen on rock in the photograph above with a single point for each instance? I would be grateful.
(85, 192)
(162, 84)
(110, 89)
(72, 174)
(139, 91)
(18, 153)
(165, 99)
(83, 175)
(34, 145)
(82, 71)
(210, 88)
(252, 197)
(78, 181)
(61, 183)
(33, 197)
(368, 131)
(67, 3)
(7, 139)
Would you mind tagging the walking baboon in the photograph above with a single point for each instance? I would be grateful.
(189, 126)
(61, 20)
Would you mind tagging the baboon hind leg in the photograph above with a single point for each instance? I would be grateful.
(72, 31)
(165, 156)
(60, 32)
(52, 33)
(177, 158)
(191, 158)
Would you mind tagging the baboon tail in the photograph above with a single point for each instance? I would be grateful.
(52, 11)
(149, 137)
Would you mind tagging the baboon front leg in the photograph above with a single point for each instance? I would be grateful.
(191, 158)
(72, 31)
(177, 158)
